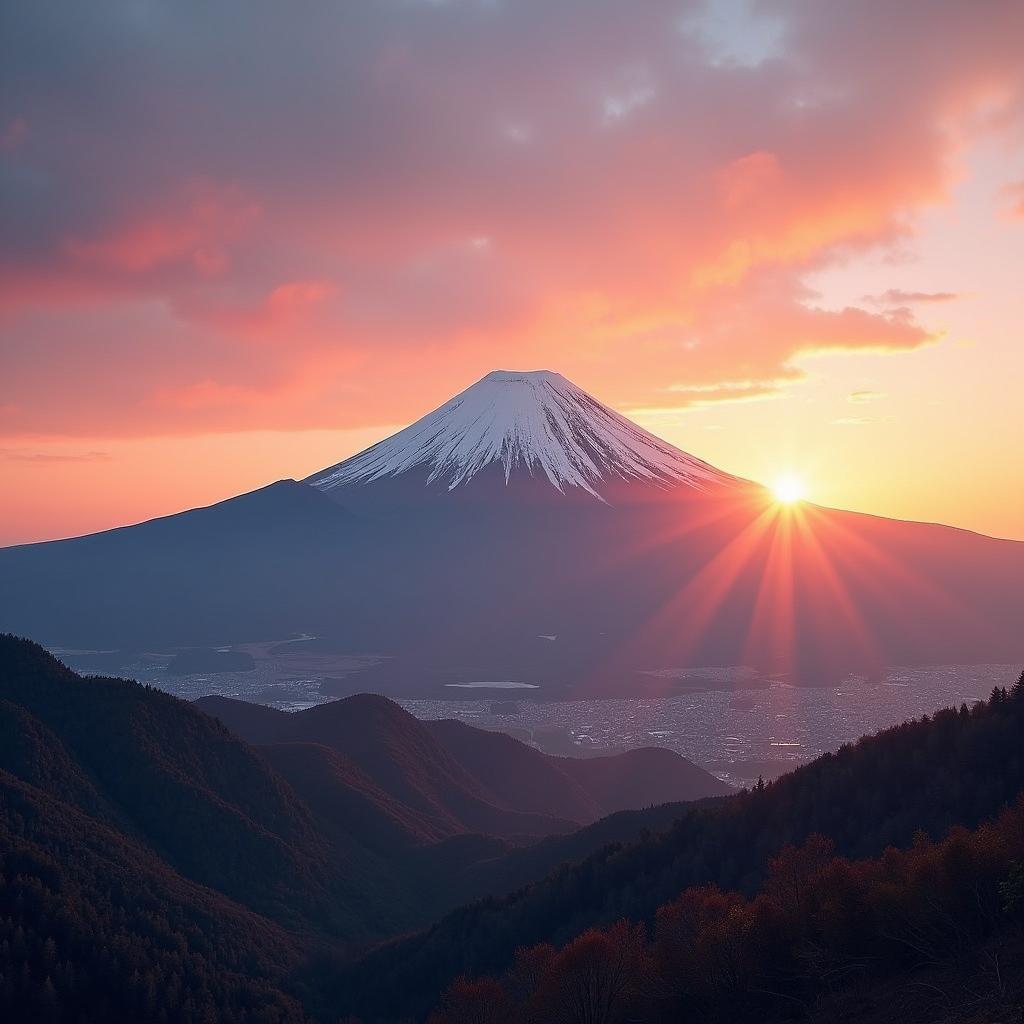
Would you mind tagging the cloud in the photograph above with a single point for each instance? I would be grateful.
(1015, 194)
(898, 297)
(336, 220)
(27, 455)
(860, 397)
(728, 391)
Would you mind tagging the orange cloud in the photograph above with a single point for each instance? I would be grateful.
(374, 220)
(1015, 193)
(899, 297)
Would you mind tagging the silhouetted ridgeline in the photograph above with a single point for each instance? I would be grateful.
(454, 778)
(153, 866)
(956, 769)
(120, 810)
(930, 934)
(148, 850)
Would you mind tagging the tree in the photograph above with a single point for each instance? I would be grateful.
(481, 1001)
(792, 872)
(597, 978)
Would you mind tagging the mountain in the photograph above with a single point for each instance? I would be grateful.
(329, 819)
(450, 778)
(515, 427)
(525, 532)
(206, 804)
(397, 756)
(906, 788)
(239, 567)
(154, 865)
(920, 935)
(618, 782)
(149, 862)
(97, 928)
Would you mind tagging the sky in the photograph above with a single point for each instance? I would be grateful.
(240, 241)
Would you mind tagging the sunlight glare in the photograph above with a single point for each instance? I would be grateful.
(788, 489)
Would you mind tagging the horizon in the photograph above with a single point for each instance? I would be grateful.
(779, 486)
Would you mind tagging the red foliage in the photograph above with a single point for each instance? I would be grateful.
(819, 922)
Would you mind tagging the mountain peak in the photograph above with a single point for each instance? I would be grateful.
(521, 376)
(533, 422)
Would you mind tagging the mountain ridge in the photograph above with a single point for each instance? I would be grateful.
(310, 830)
(105, 915)
(906, 786)
(469, 779)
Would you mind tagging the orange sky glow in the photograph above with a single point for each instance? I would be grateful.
(788, 237)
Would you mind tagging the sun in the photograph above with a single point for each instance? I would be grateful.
(788, 489)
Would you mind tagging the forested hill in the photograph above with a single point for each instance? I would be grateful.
(122, 813)
(957, 768)
(929, 935)
(155, 768)
(155, 865)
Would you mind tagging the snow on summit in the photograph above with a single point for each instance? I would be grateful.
(533, 421)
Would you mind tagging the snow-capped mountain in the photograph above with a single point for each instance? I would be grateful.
(525, 533)
(525, 422)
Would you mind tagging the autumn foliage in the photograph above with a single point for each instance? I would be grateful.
(821, 927)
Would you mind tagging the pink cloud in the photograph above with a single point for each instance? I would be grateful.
(193, 232)
(1015, 193)
(375, 229)
(47, 458)
(304, 309)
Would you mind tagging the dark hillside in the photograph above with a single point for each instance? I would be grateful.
(165, 772)
(930, 934)
(454, 778)
(958, 768)
(96, 929)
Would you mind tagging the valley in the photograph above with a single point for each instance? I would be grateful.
(732, 721)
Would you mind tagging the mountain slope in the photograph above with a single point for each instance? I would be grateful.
(958, 768)
(153, 865)
(392, 750)
(598, 785)
(240, 567)
(94, 927)
(641, 777)
(156, 768)
(451, 778)
(919, 935)
(294, 831)
(103, 915)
